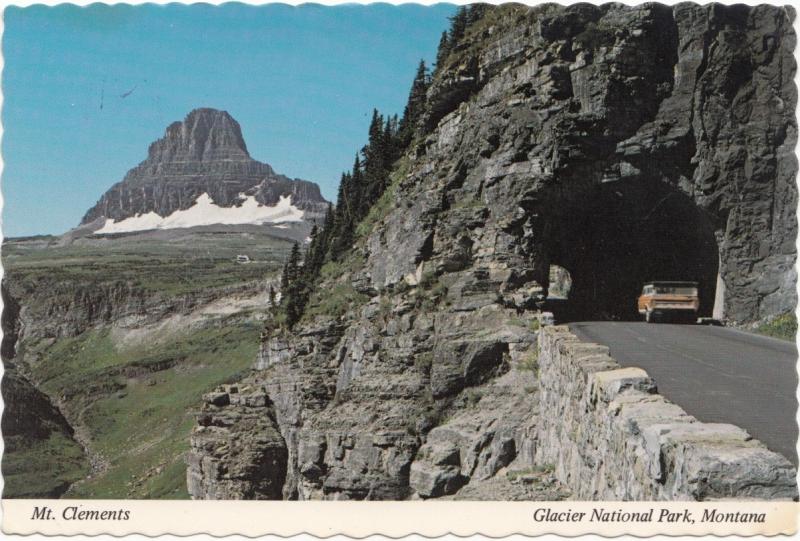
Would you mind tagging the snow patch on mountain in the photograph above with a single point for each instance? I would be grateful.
(206, 212)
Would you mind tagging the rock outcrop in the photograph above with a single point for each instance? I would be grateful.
(205, 153)
(623, 144)
(240, 453)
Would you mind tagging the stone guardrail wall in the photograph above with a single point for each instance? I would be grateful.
(610, 436)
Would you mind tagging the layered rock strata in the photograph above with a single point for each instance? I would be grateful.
(53, 310)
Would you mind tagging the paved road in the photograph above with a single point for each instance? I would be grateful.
(715, 374)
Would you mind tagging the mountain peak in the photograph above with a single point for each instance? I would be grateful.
(204, 153)
(205, 134)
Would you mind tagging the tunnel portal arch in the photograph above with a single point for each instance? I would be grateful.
(614, 237)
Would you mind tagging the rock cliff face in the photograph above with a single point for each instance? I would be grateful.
(203, 154)
(52, 310)
(622, 144)
(31, 421)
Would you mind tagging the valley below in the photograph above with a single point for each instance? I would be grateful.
(109, 344)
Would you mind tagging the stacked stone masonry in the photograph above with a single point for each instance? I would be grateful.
(610, 436)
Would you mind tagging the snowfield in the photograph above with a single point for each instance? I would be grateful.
(206, 212)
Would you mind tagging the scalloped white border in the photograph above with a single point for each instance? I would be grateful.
(323, 519)
(392, 519)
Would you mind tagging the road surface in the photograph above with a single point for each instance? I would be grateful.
(716, 374)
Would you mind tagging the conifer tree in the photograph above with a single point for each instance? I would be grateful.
(344, 205)
(356, 193)
(475, 12)
(295, 290)
(442, 51)
(340, 216)
(285, 279)
(458, 26)
(375, 157)
(292, 265)
(327, 224)
(375, 127)
(289, 274)
(392, 141)
(294, 308)
(341, 234)
(325, 234)
(415, 107)
(315, 255)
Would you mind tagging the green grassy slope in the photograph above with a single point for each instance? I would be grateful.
(183, 264)
(135, 403)
(24, 460)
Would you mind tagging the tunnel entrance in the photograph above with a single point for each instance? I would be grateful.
(617, 236)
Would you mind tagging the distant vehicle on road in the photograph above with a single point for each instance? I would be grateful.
(677, 300)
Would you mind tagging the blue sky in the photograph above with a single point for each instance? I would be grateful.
(301, 81)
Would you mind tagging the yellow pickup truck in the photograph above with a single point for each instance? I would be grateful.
(679, 300)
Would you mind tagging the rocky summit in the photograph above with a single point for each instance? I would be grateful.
(204, 154)
(622, 144)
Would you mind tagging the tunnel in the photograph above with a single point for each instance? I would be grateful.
(614, 237)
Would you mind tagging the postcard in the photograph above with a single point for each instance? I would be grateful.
(408, 269)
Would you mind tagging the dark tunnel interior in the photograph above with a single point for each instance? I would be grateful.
(620, 235)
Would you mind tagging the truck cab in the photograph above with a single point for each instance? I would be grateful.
(676, 300)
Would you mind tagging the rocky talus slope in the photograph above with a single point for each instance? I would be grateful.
(601, 139)
(205, 153)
